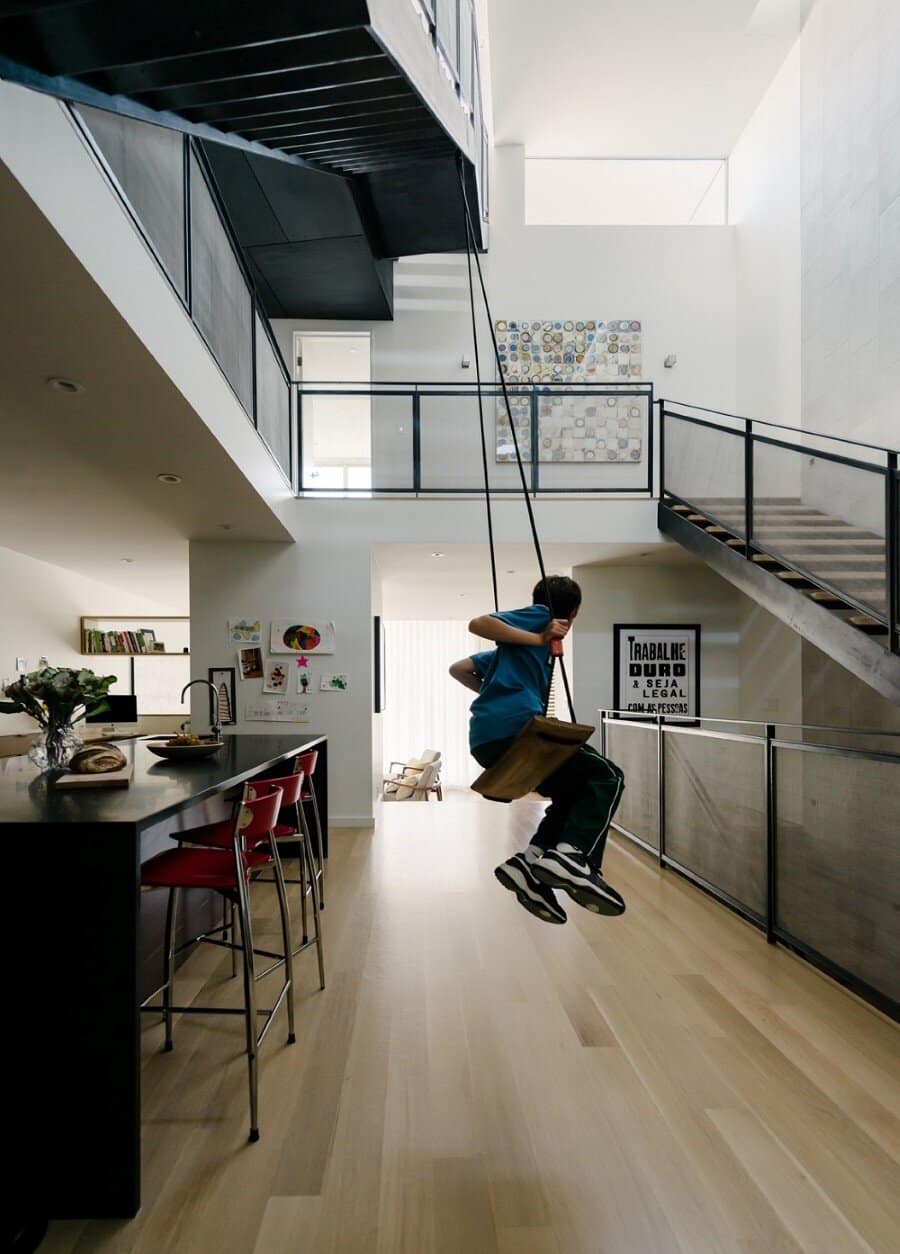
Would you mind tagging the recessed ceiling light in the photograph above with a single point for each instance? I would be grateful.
(127, 560)
(169, 478)
(65, 385)
(437, 555)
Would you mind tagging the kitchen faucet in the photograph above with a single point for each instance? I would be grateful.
(216, 726)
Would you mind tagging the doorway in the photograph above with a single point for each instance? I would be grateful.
(336, 445)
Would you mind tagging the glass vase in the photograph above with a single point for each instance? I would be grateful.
(54, 749)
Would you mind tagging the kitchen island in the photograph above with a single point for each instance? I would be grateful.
(84, 946)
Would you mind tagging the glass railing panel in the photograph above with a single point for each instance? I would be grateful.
(220, 299)
(824, 517)
(273, 401)
(148, 163)
(634, 749)
(716, 813)
(392, 442)
(450, 443)
(466, 49)
(838, 862)
(447, 20)
(704, 466)
(593, 441)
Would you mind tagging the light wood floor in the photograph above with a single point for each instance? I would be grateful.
(473, 1081)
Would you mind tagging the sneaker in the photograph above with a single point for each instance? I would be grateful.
(571, 873)
(516, 875)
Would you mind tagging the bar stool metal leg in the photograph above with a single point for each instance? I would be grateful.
(319, 864)
(302, 873)
(303, 827)
(169, 964)
(286, 937)
(249, 1005)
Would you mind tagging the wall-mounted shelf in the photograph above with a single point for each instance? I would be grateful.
(107, 629)
(157, 688)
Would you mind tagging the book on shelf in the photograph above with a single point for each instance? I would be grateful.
(139, 641)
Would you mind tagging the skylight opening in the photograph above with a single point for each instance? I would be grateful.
(614, 191)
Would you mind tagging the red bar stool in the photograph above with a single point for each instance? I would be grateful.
(217, 836)
(227, 868)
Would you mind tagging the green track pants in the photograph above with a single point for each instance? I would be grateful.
(584, 793)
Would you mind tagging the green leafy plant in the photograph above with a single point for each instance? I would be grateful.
(58, 696)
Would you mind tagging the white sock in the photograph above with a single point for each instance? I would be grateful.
(532, 853)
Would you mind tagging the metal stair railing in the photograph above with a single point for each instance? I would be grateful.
(825, 507)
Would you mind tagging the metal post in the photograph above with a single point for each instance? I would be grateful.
(417, 440)
(535, 465)
(298, 425)
(892, 551)
(253, 401)
(186, 163)
(661, 796)
(662, 447)
(650, 448)
(771, 834)
(748, 486)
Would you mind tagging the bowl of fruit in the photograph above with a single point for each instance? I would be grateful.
(185, 747)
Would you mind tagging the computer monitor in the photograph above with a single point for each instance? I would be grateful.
(118, 710)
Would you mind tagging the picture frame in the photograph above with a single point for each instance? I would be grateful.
(223, 679)
(158, 646)
(656, 671)
(250, 661)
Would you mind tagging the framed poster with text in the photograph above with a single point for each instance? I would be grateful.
(656, 669)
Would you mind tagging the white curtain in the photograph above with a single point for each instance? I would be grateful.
(425, 708)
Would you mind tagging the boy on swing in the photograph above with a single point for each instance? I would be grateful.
(566, 851)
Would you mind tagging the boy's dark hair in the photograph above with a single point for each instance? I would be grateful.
(559, 593)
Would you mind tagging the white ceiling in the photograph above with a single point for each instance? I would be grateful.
(647, 79)
(78, 483)
(457, 585)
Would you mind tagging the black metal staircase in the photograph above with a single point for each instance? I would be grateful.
(808, 525)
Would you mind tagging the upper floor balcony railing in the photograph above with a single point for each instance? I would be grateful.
(452, 28)
(425, 439)
(162, 180)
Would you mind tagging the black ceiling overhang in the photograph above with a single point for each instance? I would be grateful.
(320, 142)
(298, 79)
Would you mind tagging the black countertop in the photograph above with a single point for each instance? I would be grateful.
(158, 787)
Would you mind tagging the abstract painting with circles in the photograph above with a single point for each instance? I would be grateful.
(572, 428)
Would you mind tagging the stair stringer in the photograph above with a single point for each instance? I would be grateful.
(863, 656)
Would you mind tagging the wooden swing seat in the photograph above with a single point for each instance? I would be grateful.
(541, 747)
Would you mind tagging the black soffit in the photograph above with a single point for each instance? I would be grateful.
(307, 80)
(328, 161)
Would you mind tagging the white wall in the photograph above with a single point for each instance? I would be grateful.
(678, 280)
(42, 605)
(327, 576)
(815, 193)
(657, 594)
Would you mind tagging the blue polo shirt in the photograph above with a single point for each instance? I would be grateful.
(514, 679)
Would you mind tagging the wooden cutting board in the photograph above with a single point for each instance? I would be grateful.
(106, 779)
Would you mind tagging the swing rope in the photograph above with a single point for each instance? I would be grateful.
(470, 251)
(484, 455)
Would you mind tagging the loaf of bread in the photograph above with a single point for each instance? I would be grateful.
(97, 760)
